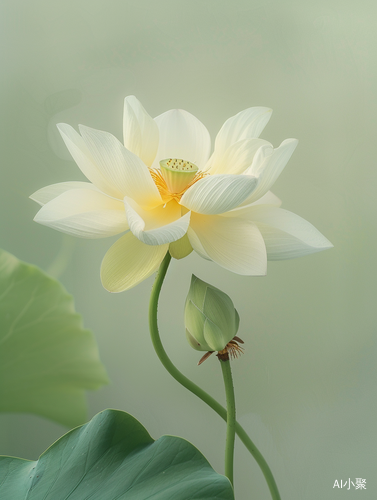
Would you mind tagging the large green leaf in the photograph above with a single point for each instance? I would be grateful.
(47, 359)
(114, 458)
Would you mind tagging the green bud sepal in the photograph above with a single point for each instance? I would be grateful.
(211, 319)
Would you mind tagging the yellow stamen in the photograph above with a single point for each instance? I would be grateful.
(166, 195)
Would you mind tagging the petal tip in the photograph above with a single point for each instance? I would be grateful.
(291, 140)
(62, 126)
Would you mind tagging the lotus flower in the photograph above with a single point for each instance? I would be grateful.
(167, 194)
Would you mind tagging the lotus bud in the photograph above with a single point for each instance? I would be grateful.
(210, 317)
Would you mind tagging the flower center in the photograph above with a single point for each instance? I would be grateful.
(174, 177)
(177, 173)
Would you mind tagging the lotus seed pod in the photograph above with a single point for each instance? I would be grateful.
(177, 173)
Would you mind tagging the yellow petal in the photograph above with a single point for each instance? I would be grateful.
(161, 225)
(128, 262)
(180, 248)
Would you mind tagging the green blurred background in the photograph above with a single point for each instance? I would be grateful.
(306, 385)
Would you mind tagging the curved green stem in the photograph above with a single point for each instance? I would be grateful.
(195, 389)
(230, 418)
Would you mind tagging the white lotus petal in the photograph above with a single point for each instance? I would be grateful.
(243, 210)
(244, 125)
(233, 243)
(158, 226)
(182, 136)
(140, 131)
(268, 164)
(237, 158)
(128, 262)
(268, 198)
(196, 244)
(85, 213)
(81, 154)
(216, 194)
(123, 168)
(286, 234)
(48, 193)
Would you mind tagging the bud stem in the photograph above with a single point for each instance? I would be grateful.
(195, 389)
(230, 418)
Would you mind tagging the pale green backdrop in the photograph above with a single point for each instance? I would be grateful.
(306, 385)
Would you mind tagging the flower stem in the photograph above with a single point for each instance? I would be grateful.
(230, 418)
(195, 389)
